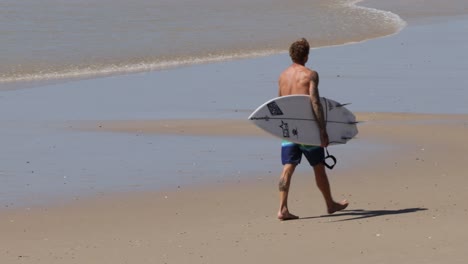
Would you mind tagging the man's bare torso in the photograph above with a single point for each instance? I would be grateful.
(296, 79)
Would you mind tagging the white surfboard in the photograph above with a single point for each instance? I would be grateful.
(291, 118)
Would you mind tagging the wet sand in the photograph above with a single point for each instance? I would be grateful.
(407, 206)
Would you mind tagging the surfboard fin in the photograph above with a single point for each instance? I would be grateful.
(337, 142)
(341, 105)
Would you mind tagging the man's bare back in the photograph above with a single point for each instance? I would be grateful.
(296, 79)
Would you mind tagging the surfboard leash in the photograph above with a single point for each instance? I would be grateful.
(328, 156)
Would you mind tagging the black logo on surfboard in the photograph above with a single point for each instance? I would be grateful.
(274, 109)
(285, 127)
(295, 132)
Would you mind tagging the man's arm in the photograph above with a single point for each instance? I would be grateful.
(318, 109)
(279, 88)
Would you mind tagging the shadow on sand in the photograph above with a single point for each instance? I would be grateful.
(362, 214)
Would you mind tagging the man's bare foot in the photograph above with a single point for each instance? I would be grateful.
(286, 216)
(338, 206)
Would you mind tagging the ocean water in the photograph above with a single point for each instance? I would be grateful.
(66, 39)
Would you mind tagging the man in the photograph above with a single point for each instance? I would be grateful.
(298, 79)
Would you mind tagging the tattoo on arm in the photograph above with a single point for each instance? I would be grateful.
(316, 105)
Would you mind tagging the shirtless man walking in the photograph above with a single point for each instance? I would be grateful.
(298, 79)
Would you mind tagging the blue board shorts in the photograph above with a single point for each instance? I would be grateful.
(291, 153)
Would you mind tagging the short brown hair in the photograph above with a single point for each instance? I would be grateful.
(299, 50)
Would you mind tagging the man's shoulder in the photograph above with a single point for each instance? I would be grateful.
(311, 71)
(307, 71)
(313, 75)
(286, 71)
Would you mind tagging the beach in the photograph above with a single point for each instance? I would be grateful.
(407, 206)
(162, 165)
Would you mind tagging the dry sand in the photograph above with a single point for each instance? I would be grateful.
(408, 205)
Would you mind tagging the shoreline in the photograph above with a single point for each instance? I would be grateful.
(230, 128)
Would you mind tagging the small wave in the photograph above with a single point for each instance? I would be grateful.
(74, 72)
(390, 21)
(387, 17)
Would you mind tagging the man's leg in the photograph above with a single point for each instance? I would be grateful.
(284, 183)
(324, 186)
